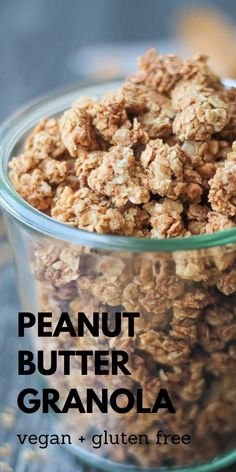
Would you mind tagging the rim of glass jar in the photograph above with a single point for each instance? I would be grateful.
(18, 126)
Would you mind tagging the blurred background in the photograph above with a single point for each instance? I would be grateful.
(48, 44)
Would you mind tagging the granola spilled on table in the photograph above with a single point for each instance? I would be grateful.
(156, 159)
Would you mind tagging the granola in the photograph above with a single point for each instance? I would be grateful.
(167, 133)
(200, 112)
(154, 160)
(222, 194)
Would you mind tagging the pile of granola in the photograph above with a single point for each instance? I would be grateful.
(157, 159)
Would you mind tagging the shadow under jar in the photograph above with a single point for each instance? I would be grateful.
(184, 340)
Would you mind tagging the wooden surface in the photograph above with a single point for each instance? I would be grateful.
(21, 459)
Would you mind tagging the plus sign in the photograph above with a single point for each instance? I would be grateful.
(81, 439)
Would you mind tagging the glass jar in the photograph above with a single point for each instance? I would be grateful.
(5, 256)
(184, 339)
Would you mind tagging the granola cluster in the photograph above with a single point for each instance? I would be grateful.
(157, 159)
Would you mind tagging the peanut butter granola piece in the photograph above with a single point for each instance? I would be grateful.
(193, 268)
(216, 327)
(229, 131)
(158, 72)
(76, 127)
(200, 112)
(54, 171)
(109, 115)
(183, 323)
(138, 98)
(227, 282)
(152, 289)
(136, 222)
(157, 121)
(84, 164)
(34, 178)
(162, 72)
(202, 156)
(205, 157)
(195, 297)
(85, 210)
(164, 167)
(169, 174)
(112, 124)
(218, 222)
(120, 178)
(203, 220)
(45, 140)
(165, 218)
(164, 349)
(184, 330)
(153, 109)
(198, 70)
(56, 266)
(197, 217)
(222, 194)
(134, 137)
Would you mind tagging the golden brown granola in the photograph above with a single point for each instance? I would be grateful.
(161, 73)
(166, 220)
(229, 130)
(222, 194)
(200, 112)
(45, 140)
(120, 178)
(153, 160)
(76, 127)
(167, 133)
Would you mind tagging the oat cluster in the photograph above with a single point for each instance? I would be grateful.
(155, 160)
(144, 161)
